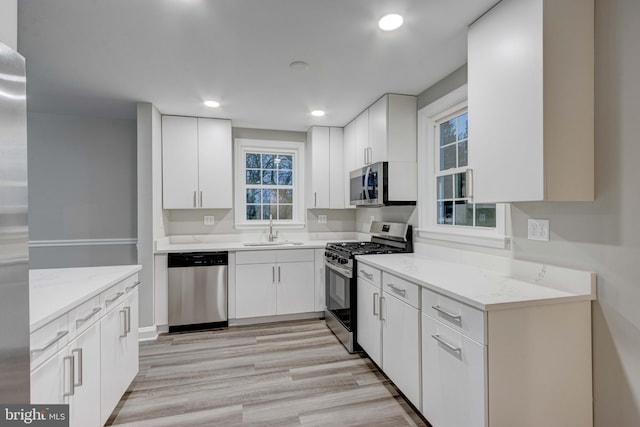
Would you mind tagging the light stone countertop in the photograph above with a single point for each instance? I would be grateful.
(55, 291)
(485, 289)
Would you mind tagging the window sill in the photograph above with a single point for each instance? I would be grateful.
(490, 240)
(276, 226)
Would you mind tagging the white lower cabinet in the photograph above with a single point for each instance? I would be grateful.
(85, 351)
(368, 315)
(271, 283)
(453, 369)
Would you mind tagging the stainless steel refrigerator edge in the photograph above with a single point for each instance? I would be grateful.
(14, 239)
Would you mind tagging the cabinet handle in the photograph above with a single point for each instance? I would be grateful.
(278, 274)
(123, 323)
(455, 317)
(315, 199)
(194, 199)
(132, 287)
(469, 189)
(365, 156)
(49, 344)
(401, 292)
(88, 316)
(382, 299)
(375, 297)
(446, 344)
(273, 274)
(367, 275)
(128, 317)
(370, 155)
(78, 351)
(111, 300)
(201, 198)
(72, 388)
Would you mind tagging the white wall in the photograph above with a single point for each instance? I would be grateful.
(601, 236)
(9, 23)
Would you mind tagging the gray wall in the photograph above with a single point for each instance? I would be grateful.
(601, 236)
(82, 185)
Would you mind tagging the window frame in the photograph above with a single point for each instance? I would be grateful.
(243, 146)
(428, 228)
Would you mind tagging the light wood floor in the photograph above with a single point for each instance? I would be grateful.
(278, 374)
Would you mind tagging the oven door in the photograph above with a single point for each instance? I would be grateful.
(339, 291)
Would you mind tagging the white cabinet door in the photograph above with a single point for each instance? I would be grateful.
(214, 164)
(320, 284)
(336, 168)
(84, 402)
(113, 348)
(453, 377)
(368, 320)
(349, 160)
(255, 290)
(378, 130)
(129, 365)
(362, 139)
(400, 346)
(318, 160)
(296, 287)
(51, 380)
(179, 162)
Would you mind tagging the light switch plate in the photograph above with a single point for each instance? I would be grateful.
(209, 220)
(322, 219)
(538, 229)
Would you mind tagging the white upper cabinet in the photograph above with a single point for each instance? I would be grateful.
(196, 163)
(325, 168)
(349, 159)
(386, 131)
(531, 101)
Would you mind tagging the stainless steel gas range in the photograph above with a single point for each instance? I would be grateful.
(341, 275)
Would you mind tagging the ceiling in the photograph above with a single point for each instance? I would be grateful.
(101, 57)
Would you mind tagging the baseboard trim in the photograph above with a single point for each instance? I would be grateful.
(148, 333)
(81, 242)
(280, 318)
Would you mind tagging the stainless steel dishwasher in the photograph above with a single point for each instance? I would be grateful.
(198, 291)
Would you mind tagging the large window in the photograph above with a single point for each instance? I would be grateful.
(268, 182)
(446, 207)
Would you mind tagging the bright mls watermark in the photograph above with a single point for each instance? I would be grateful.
(34, 415)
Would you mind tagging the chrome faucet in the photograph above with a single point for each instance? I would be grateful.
(272, 237)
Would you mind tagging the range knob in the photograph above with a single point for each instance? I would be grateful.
(342, 261)
(334, 256)
(327, 254)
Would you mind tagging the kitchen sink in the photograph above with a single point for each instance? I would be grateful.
(281, 243)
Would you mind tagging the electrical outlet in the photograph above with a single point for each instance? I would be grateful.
(209, 220)
(538, 229)
(322, 219)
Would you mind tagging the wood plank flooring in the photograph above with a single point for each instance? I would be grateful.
(278, 374)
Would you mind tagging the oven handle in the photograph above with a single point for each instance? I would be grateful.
(338, 270)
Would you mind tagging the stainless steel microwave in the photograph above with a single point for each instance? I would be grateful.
(384, 184)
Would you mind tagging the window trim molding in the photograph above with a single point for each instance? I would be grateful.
(427, 227)
(240, 147)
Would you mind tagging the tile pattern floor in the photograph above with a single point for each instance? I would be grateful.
(278, 374)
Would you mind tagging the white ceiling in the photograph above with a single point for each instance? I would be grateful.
(100, 57)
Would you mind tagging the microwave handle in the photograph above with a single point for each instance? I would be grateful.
(366, 183)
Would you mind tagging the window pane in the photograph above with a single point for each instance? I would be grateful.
(285, 212)
(253, 196)
(464, 213)
(253, 160)
(485, 215)
(269, 177)
(268, 161)
(462, 154)
(445, 212)
(285, 178)
(253, 212)
(269, 210)
(462, 127)
(445, 187)
(253, 177)
(461, 185)
(448, 157)
(285, 196)
(286, 162)
(448, 132)
(269, 196)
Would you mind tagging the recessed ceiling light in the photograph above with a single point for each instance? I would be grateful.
(317, 113)
(212, 104)
(390, 22)
(299, 66)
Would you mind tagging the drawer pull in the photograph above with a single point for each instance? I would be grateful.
(118, 295)
(455, 317)
(78, 351)
(132, 287)
(446, 344)
(123, 323)
(399, 291)
(367, 275)
(72, 381)
(58, 337)
(88, 316)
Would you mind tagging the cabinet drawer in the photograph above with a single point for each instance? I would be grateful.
(294, 255)
(84, 315)
(461, 317)
(115, 294)
(46, 341)
(401, 289)
(255, 257)
(371, 274)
